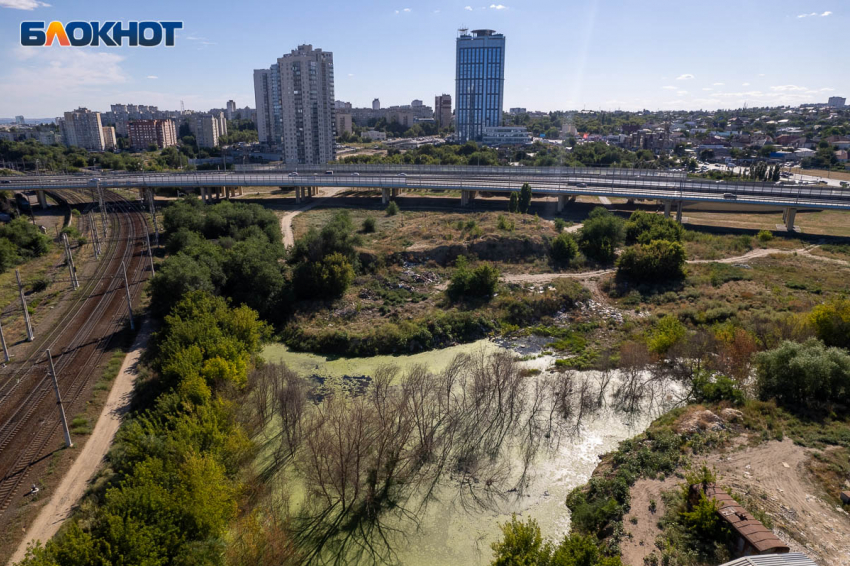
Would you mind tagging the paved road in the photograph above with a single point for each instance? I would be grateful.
(639, 185)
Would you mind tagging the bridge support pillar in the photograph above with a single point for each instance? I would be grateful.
(201, 190)
(788, 217)
(385, 196)
(42, 199)
(467, 197)
(297, 195)
(668, 205)
(562, 202)
(679, 211)
(394, 193)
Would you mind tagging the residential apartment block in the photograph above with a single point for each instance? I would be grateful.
(208, 128)
(295, 105)
(145, 133)
(110, 142)
(83, 128)
(443, 110)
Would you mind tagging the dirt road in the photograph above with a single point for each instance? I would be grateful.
(286, 219)
(75, 482)
(775, 473)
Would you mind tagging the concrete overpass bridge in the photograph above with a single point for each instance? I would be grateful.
(672, 188)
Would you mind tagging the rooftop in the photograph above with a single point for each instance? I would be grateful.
(789, 559)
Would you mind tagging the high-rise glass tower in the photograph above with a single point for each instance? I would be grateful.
(480, 81)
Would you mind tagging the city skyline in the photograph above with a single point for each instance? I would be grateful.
(563, 56)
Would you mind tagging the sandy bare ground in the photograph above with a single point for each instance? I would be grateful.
(775, 474)
(641, 543)
(75, 482)
(286, 219)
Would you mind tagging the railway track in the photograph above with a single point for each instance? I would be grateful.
(29, 423)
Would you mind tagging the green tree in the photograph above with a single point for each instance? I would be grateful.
(524, 198)
(564, 249)
(831, 322)
(513, 204)
(600, 235)
(326, 279)
(472, 283)
(642, 227)
(655, 262)
(666, 332)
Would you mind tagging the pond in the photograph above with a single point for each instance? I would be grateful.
(454, 530)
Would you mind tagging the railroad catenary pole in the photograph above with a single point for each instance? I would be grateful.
(30, 335)
(150, 251)
(102, 207)
(3, 340)
(129, 302)
(152, 207)
(75, 283)
(95, 244)
(68, 442)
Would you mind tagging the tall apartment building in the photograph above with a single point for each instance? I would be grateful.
(83, 128)
(376, 104)
(295, 105)
(144, 133)
(208, 128)
(19, 120)
(836, 101)
(231, 109)
(443, 110)
(343, 123)
(480, 81)
(110, 142)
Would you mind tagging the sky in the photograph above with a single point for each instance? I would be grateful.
(560, 54)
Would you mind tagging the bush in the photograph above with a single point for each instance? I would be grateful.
(656, 262)
(831, 322)
(502, 223)
(643, 227)
(601, 234)
(392, 209)
(806, 376)
(40, 284)
(764, 235)
(327, 279)
(368, 225)
(666, 332)
(560, 224)
(714, 389)
(564, 249)
(473, 283)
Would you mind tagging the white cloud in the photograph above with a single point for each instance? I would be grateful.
(23, 4)
(827, 89)
(761, 74)
(716, 84)
(788, 88)
(498, 7)
(153, 77)
(708, 88)
(825, 14)
(745, 84)
(815, 15)
(350, 74)
(681, 92)
(406, 10)
(685, 77)
(469, 8)
(669, 87)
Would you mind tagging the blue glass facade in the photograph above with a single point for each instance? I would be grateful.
(479, 80)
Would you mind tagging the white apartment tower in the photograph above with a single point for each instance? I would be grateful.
(295, 105)
(83, 128)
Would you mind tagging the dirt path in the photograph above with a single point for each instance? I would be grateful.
(641, 543)
(286, 219)
(75, 482)
(775, 473)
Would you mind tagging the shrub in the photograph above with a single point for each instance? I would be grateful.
(326, 279)
(368, 225)
(479, 282)
(666, 332)
(806, 376)
(655, 262)
(831, 322)
(560, 224)
(601, 234)
(643, 227)
(502, 223)
(564, 249)
(41, 283)
(764, 235)
(717, 388)
(392, 208)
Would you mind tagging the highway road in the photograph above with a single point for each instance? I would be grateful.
(640, 184)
